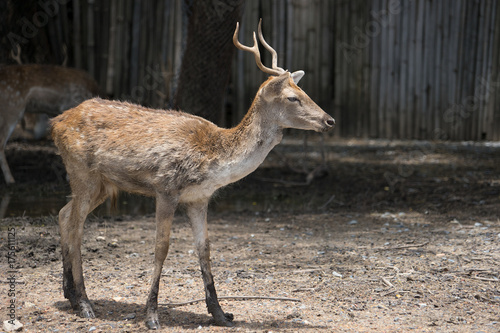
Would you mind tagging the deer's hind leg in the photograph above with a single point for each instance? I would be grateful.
(165, 209)
(86, 196)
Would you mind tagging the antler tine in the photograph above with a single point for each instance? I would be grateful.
(270, 49)
(255, 50)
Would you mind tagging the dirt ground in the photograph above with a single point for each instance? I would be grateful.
(386, 237)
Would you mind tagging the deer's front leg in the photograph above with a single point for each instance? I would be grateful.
(197, 213)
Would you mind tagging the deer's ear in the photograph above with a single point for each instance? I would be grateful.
(296, 76)
(276, 85)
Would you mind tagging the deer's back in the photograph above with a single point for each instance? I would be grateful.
(22, 77)
(135, 148)
(43, 88)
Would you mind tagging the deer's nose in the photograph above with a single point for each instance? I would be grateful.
(330, 122)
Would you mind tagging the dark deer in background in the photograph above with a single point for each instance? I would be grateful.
(38, 89)
(176, 157)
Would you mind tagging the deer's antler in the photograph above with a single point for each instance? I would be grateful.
(275, 70)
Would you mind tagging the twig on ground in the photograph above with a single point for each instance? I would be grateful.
(394, 291)
(332, 199)
(387, 282)
(401, 246)
(388, 293)
(174, 305)
(300, 271)
(475, 277)
(480, 270)
(485, 299)
(304, 289)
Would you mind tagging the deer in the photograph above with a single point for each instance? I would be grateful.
(178, 158)
(33, 88)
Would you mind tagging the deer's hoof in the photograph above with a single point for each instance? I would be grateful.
(86, 310)
(225, 320)
(153, 324)
(229, 316)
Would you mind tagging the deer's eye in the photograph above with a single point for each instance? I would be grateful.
(293, 99)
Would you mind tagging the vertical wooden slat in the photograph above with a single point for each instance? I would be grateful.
(452, 60)
(326, 62)
(374, 95)
(466, 120)
(439, 69)
(392, 69)
(489, 74)
(77, 40)
(346, 75)
(65, 26)
(382, 88)
(110, 73)
(289, 34)
(409, 106)
(90, 39)
(338, 60)
(352, 115)
(493, 118)
(472, 103)
(462, 64)
(134, 54)
(395, 32)
(485, 71)
(419, 68)
(103, 41)
(404, 41)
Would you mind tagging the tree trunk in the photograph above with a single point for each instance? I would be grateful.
(206, 62)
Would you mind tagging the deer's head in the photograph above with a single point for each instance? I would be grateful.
(294, 109)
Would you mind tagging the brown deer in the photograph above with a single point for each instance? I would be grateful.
(38, 89)
(176, 157)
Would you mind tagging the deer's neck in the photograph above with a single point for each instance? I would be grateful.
(257, 131)
(247, 145)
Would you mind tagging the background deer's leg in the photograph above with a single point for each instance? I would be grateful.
(5, 168)
(165, 209)
(12, 116)
(197, 213)
(71, 220)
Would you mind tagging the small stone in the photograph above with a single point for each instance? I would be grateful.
(337, 274)
(93, 328)
(29, 304)
(130, 316)
(100, 238)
